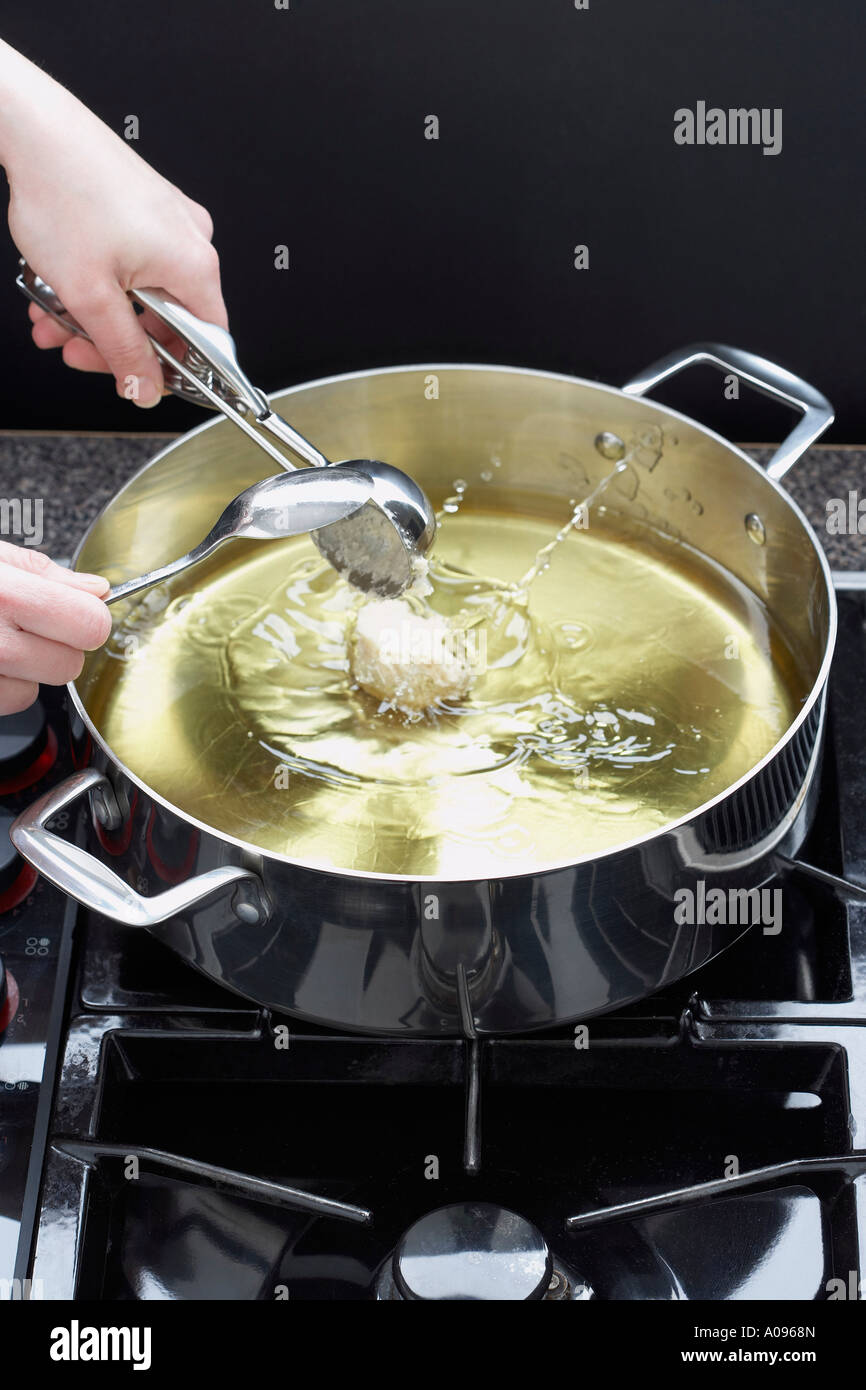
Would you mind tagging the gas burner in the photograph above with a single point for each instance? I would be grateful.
(475, 1252)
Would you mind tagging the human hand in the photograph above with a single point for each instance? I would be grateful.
(94, 220)
(49, 617)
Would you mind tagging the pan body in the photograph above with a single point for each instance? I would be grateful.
(391, 954)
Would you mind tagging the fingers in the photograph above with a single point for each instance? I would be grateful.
(86, 357)
(34, 562)
(119, 338)
(61, 612)
(83, 356)
(95, 584)
(77, 352)
(49, 617)
(27, 658)
(46, 331)
(16, 695)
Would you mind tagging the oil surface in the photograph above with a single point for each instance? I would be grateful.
(617, 693)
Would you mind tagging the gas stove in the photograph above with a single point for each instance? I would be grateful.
(162, 1139)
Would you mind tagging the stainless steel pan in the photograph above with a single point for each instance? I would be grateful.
(364, 951)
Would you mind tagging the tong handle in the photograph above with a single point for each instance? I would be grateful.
(209, 373)
(207, 346)
(201, 340)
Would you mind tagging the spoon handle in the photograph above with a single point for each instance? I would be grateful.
(144, 581)
(273, 509)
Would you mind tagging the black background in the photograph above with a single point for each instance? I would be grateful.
(306, 127)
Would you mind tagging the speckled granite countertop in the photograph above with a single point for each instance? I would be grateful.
(76, 474)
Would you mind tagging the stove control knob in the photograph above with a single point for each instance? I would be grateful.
(28, 748)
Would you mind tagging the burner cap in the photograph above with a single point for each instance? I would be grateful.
(473, 1251)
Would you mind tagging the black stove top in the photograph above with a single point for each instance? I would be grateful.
(706, 1143)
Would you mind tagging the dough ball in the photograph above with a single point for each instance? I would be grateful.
(408, 659)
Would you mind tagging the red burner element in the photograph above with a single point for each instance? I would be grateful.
(10, 1007)
(170, 873)
(19, 889)
(23, 760)
(16, 877)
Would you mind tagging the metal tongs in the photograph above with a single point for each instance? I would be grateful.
(378, 546)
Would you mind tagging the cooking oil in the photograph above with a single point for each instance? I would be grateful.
(620, 684)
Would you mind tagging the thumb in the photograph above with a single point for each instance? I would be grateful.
(95, 584)
(22, 557)
(111, 321)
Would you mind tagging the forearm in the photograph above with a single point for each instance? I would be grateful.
(33, 107)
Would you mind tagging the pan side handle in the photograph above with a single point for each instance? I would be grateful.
(84, 877)
(766, 377)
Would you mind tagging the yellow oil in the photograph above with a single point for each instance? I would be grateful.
(622, 690)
